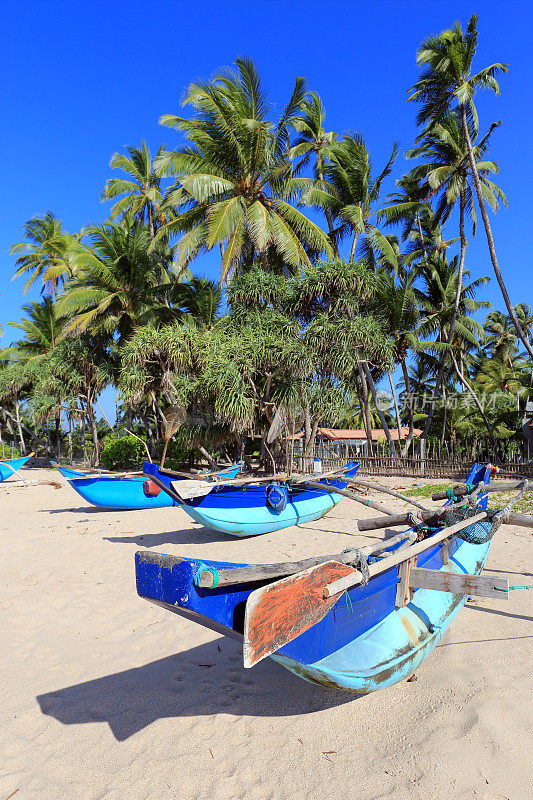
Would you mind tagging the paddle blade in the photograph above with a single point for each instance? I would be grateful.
(279, 612)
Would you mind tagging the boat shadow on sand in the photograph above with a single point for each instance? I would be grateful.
(205, 680)
(198, 535)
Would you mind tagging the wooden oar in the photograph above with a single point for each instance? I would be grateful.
(279, 612)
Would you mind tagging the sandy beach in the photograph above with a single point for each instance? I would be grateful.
(107, 696)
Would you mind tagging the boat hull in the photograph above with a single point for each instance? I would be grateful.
(394, 648)
(8, 468)
(244, 511)
(108, 491)
(262, 519)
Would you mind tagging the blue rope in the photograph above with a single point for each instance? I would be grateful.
(530, 586)
(205, 568)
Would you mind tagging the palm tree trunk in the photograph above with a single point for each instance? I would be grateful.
(422, 243)
(409, 410)
(381, 416)
(354, 244)
(490, 240)
(329, 219)
(367, 422)
(19, 428)
(396, 409)
(438, 382)
(94, 432)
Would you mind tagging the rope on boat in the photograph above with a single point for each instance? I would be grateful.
(470, 487)
(524, 586)
(206, 568)
(359, 561)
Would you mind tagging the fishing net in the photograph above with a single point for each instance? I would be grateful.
(478, 532)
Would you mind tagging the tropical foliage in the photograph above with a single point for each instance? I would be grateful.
(333, 280)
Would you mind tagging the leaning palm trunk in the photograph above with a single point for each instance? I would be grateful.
(438, 383)
(367, 422)
(19, 429)
(381, 416)
(410, 412)
(396, 409)
(458, 291)
(490, 240)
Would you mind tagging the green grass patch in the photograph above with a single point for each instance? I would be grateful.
(428, 490)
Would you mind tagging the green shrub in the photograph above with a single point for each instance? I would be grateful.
(122, 452)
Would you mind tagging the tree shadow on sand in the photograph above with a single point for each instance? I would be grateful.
(208, 679)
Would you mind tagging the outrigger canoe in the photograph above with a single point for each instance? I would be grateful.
(256, 508)
(128, 492)
(8, 469)
(365, 637)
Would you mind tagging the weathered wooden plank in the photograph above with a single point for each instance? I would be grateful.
(458, 583)
(403, 593)
(252, 573)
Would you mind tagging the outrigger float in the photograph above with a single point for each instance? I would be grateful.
(129, 491)
(249, 506)
(361, 620)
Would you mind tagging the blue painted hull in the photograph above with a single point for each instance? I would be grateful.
(363, 644)
(7, 467)
(69, 473)
(109, 491)
(240, 511)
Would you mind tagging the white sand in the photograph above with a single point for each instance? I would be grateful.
(104, 695)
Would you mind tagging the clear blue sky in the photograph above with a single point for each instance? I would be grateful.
(80, 80)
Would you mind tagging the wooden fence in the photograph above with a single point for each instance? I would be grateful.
(447, 468)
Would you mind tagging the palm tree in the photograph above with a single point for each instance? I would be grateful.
(350, 195)
(446, 173)
(233, 179)
(313, 140)
(46, 253)
(115, 286)
(198, 298)
(42, 329)
(141, 189)
(437, 303)
(447, 82)
(396, 305)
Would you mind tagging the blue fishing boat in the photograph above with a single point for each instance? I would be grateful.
(8, 469)
(365, 637)
(255, 508)
(128, 492)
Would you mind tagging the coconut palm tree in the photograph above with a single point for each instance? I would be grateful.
(42, 329)
(46, 254)
(234, 181)
(395, 303)
(140, 191)
(446, 173)
(448, 82)
(116, 282)
(437, 303)
(313, 141)
(351, 194)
